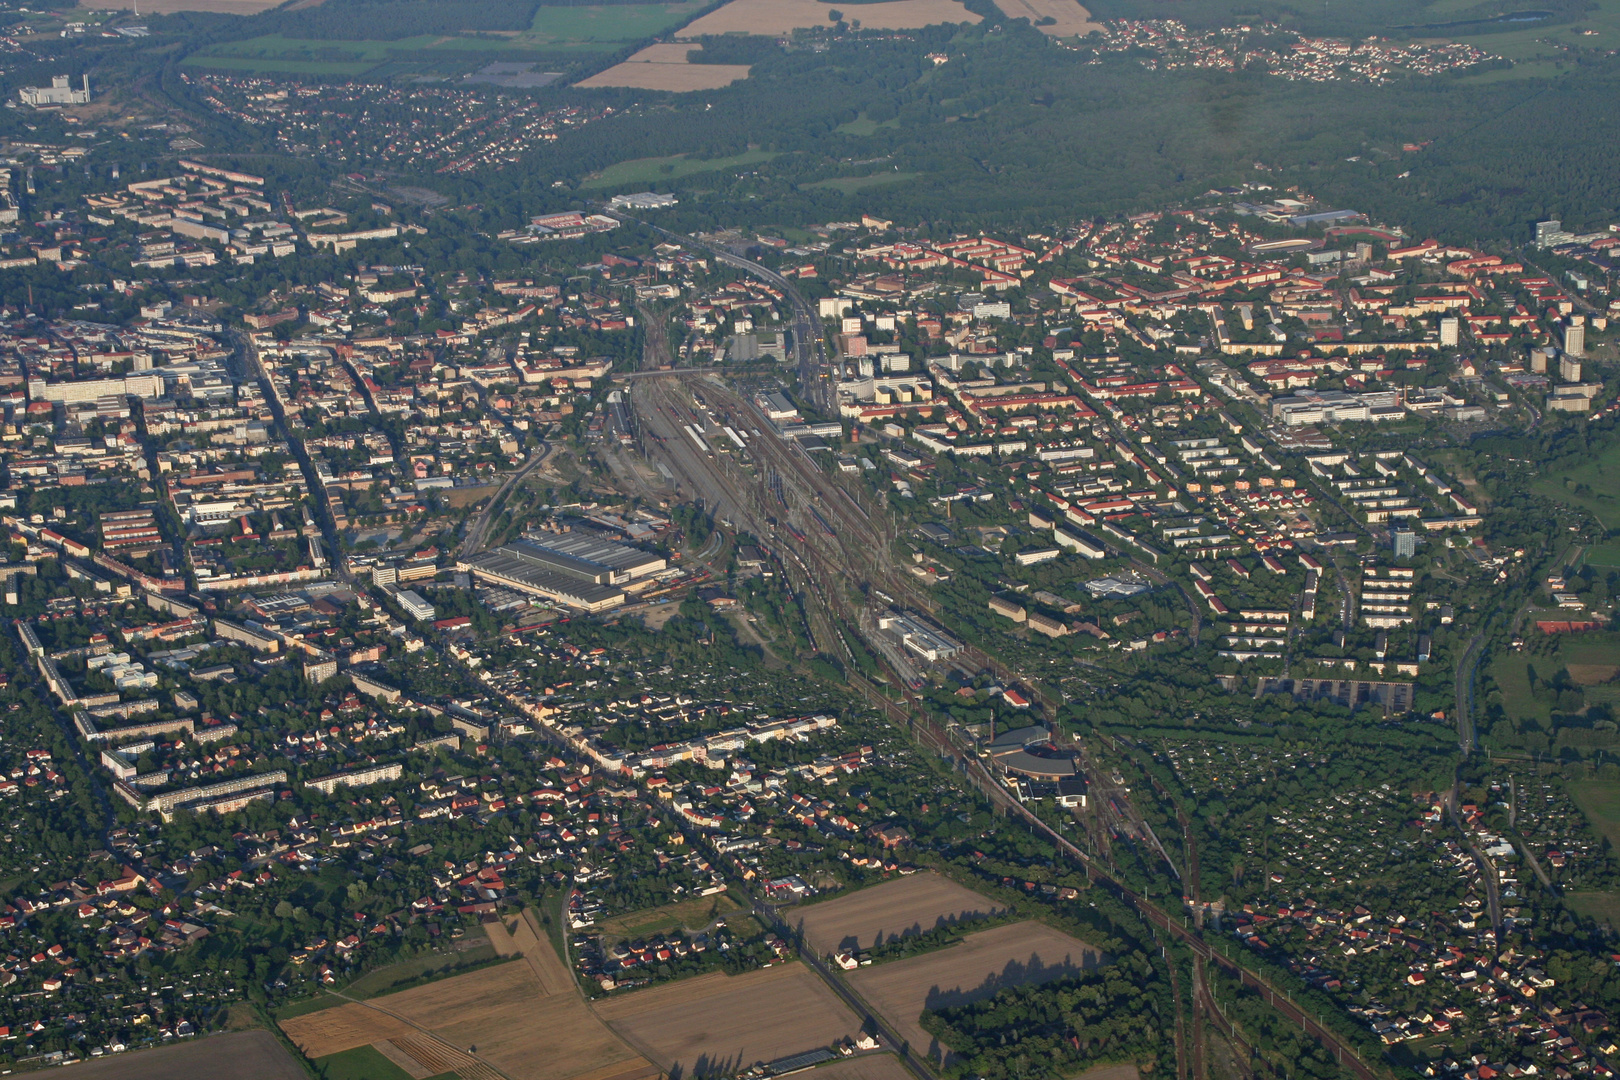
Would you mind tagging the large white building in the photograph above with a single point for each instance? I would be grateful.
(60, 92)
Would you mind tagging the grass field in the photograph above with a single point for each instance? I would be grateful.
(621, 22)
(849, 185)
(277, 66)
(865, 125)
(361, 1063)
(1600, 906)
(773, 18)
(1512, 677)
(693, 914)
(435, 965)
(1590, 659)
(1599, 800)
(1594, 485)
(1536, 51)
(278, 47)
(1605, 555)
(650, 170)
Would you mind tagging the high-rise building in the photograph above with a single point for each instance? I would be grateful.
(1569, 368)
(1450, 329)
(1551, 234)
(1538, 361)
(1404, 542)
(1575, 339)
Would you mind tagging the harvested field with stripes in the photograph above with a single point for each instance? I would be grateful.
(523, 1019)
(908, 905)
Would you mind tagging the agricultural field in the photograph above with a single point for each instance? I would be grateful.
(382, 1062)
(983, 964)
(667, 66)
(607, 23)
(242, 1055)
(471, 950)
(774, 18)
(503, 1011)
(170, 7)
(866, 1067)
(1069, 19)
(720, 1024)
(908, 905)
(525, 938)
(643, 171)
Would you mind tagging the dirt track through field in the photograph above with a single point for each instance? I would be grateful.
(720, 1024)
(527, 940)
(905, 906)
(984, 964)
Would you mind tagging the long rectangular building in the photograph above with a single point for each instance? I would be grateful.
(525, 568)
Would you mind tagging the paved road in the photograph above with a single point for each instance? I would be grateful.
(477, 532)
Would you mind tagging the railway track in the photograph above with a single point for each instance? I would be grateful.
(823, 565)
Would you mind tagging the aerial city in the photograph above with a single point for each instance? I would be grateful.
(861, 539)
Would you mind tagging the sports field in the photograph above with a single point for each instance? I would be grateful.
(908, 905)
(982, 965)
(719, 1025)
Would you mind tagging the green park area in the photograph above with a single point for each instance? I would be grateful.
(1593, 485)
